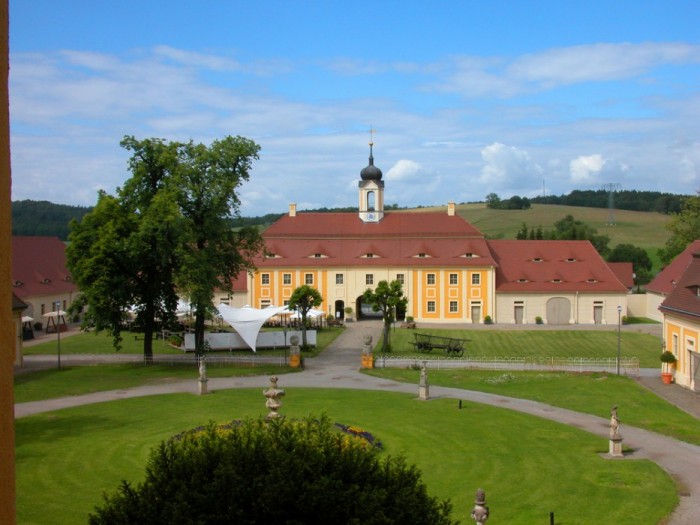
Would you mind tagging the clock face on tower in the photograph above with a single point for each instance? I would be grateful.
(370, 216)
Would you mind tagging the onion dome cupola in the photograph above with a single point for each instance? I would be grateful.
(371, 172)
(371, 189)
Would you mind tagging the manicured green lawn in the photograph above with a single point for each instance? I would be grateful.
(538, 343)
(528, 467)
(589, 393)
(78, 380)
(132, 343)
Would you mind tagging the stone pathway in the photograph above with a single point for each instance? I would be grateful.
(337, 367)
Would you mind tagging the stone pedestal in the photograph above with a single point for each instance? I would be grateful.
(367, 357)
(423, 386)
(616, 446)
(480, 513)
(294, 352)
(273, 395)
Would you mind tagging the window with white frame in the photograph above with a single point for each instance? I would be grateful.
(308, 278)
(369, 279)
(265, 278)
(454, 307)
(338, 278)
(287, 278)
(454, 279)
(476, 279)
(431, 278)
(431, 307)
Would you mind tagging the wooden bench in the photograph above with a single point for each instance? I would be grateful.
(453, 346)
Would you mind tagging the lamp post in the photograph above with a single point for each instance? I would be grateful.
(58, 331)
(619, 324)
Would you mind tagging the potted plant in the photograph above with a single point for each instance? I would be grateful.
(668, 359)
(348, 313)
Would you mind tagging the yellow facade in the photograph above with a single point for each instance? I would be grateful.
(434, 294)
(681, 337)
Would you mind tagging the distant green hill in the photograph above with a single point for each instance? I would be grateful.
(44, 218)
(644, 229)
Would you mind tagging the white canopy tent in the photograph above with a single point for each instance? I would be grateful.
(248, 321)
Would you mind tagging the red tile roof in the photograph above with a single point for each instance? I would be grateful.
(624, 271)
(342, 239)
(394, 224)
(39, 267)
(666, 280)
(552, 266)
(684, 299)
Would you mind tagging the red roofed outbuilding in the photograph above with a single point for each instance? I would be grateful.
(39, 275)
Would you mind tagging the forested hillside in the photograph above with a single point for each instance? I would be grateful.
(632, 200)
(37, 218)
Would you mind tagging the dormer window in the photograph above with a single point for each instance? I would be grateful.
(591, 281)
(556, 280)
(17, 283)
(271, 255)
(537, 259)
(422, 255)
(523, 280)
(369, 255)
(571, 259)
(317, 256)
(45, 280)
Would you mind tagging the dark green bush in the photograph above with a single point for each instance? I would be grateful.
(277, 472)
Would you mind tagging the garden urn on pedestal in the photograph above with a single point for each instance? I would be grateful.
(294, 353)
(480, 513)
(273, 395)
(367, 358)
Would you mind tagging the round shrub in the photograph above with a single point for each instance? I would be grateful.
(279, 472)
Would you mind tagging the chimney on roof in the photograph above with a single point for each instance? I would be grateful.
(451, 209)
(293, 209)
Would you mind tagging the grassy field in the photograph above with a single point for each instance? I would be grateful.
(588, 393)
(644, 229)
(101, 343)
(79, 380)
(66, 459)
(538, 343)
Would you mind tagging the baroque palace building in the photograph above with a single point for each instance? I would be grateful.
(449, 271)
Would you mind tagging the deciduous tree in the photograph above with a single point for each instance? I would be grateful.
(213, 254)
(684, 228)
(386, 298)
(303, 299)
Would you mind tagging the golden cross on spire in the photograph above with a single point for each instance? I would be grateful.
(371, 135)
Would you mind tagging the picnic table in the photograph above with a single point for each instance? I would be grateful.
(452, 346)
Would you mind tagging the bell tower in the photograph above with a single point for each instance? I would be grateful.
(371, 189)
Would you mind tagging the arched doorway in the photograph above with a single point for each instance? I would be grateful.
(339, 310)
(558, 310)
(364, 310)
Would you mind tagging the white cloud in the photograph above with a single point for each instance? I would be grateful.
(595, 169)
(583, 169)
(506, 167)
(404, 170)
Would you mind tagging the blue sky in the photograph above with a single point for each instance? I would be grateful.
(467, 97)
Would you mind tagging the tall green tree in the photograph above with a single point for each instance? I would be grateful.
(123, 253)
(571, 229)
(100, 263)
(303, 299)
(387, 298)
(212, 254)
(641, 263)
(684, 228)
